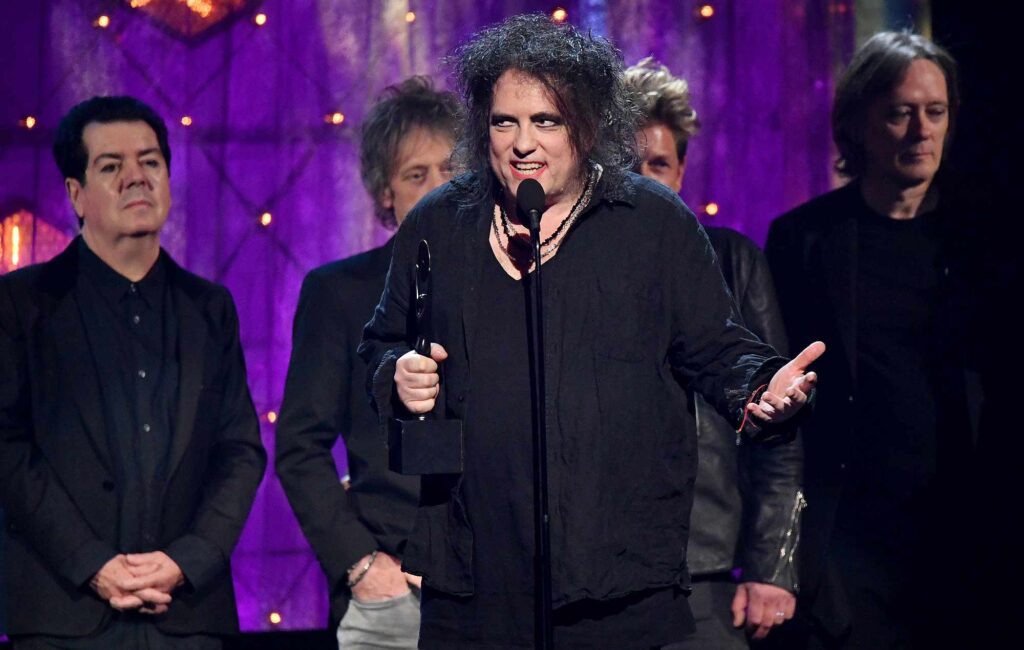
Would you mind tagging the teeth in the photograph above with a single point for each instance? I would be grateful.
(529, 167)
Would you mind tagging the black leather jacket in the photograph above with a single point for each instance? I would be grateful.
(752, 522)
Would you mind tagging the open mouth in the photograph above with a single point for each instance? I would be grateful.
(524, 169)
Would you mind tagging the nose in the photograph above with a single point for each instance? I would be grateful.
(920, 126)
(132, 174)
(525, 142)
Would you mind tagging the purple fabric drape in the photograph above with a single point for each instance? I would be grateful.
(761, 75)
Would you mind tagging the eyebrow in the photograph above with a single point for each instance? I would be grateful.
(117, 156)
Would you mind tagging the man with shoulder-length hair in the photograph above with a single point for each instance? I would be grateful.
(632, 294)
(888, 266)
(129, 446)
(359, 535)
(747, 503)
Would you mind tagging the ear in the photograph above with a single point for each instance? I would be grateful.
(74, 189)
(387, 199)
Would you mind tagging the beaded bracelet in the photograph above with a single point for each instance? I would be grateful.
(362, 573)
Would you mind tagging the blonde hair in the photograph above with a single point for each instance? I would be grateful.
(665, 99)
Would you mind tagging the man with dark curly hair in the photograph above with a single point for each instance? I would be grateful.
(358, 535)
(632, 296)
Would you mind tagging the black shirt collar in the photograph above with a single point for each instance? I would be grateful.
(114, 287)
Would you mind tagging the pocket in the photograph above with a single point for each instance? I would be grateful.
(625, 313)
(387, 603)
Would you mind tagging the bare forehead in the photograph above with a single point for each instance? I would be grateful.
(118, 137)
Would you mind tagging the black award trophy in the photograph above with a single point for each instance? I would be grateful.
(426, 444)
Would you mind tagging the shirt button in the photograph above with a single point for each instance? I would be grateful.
(850, 399)
(142, 373)
(133, 288)
(136, 319)
(145, 428)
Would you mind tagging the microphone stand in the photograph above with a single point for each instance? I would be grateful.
(544, 626)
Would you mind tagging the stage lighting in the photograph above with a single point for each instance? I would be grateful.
(706, 11)
(27, 122)
(335, 118)
(410, 16)
(559, 15)
(102, 22)
(265, 219)
(711, 209)
(186, 120)
(260, 19)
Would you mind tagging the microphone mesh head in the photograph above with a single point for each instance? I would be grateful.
(530, 196)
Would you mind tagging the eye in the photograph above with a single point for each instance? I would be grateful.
(501, 122)
(152, 163)
(547, 122)
(937, 111)
(898, 115)
(108, 168)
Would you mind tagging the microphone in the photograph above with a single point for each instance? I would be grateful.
(530, 199)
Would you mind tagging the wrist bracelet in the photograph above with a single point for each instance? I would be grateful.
(362, 572)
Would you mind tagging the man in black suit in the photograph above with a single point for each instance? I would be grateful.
(895, 282)
(359, 535)
(129, 446)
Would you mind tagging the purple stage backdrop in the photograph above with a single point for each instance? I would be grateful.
(266, 185)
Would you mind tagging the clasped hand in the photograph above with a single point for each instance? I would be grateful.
(139, 581)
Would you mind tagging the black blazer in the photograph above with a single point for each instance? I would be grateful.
(56, 478)
(812, 252)
(324, 397)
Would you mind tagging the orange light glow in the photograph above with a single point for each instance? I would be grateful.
(102, 22)
(559, 15)
(186, 120)
(271, 416)
(410, 16)
(711, 209)
(202, 7)
(274, 618)
(28, 122)
(266, 218)
(260, 19)
(15, 246)
(706, 11)
(139, 3)
(334, 118)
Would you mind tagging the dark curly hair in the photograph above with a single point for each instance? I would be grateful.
(878, 67)
(401, 108)
(582, 72)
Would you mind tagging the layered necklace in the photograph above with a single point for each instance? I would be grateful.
(517, 247)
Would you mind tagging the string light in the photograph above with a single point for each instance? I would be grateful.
(335, 118)
(139, 3)
(265, 220)
(271, 416)
(410, 16)
(706, 11)
(711, 209)
(559, 15)
(186, 120)
(28, 122)
(274, 618)
(102, 21)
(260, 19)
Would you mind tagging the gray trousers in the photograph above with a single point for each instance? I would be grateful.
(392, 623)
